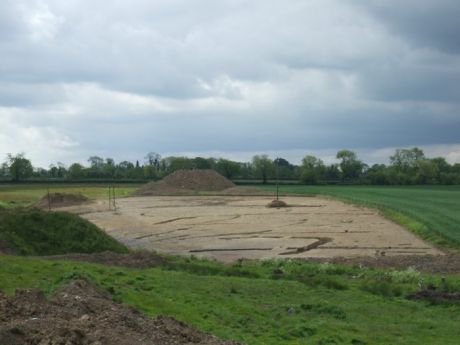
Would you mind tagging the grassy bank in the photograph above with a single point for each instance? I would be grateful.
(36, 232)
(433, 212)
(273, 302)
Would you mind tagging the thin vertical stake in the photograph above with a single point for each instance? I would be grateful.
(114, 202)
(110, 201)
(49, 199)
(277, 180)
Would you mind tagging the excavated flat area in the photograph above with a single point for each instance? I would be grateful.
(231, 227)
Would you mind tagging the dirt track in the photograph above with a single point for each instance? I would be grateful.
(232, 227)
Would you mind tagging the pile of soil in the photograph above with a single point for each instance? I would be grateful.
(81, 313)
(132, 260)
(449, 263)
(61, 200)
(277, 204)
(187, 182)
(432, 294)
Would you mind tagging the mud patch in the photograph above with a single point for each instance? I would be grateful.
(433, 295)
(81, 313)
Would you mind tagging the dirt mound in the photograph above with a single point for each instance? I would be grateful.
(61, 199)
(187, 182)
(449, 263)
(81, 313)
(131, 260)
(277, 204)
(432, 294)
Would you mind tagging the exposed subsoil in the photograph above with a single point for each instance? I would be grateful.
(54, 200)
(187, 182)
(81, 313)
(141, 259)
(229, 228)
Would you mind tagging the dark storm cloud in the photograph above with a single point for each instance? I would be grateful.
(426, 23)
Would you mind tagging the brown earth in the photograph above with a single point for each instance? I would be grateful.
(81, 313)
(229, 228)
(61, 200)
(445, 264)
(435, 295)
(141, 259)
(277, 204)
(187, 182)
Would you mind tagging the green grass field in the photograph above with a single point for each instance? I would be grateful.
(307, 304)
(432, 211)
(26, 194)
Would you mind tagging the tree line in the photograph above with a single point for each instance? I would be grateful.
(407, 167)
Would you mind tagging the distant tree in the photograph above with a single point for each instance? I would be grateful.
(350, 166)
(377, 174)
(406, 160)
(172, 164)
(76, 171)
(19, 167)
(332, 172)
(96, 162)
(285, 170)
(203, 163)
(109, 168)
(312, 170)
(263, 167)
(4, 170)
(427, 172)
(153, 159)
(227, 168)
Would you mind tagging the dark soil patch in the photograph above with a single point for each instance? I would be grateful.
(187, 182)
(131, 260)
(277, 204)
(434, 295)
(55, 200)
(7, 248)
(449, 263)
(81, 313)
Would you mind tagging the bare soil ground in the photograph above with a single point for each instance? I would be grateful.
(81, 313)
(228, 228)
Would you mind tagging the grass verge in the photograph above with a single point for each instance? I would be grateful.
(268, 302)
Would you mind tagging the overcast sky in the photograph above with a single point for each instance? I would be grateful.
(228, 78)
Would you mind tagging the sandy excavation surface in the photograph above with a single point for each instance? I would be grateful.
(231, 227)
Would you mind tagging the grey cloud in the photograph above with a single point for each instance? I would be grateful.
(427, 23)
